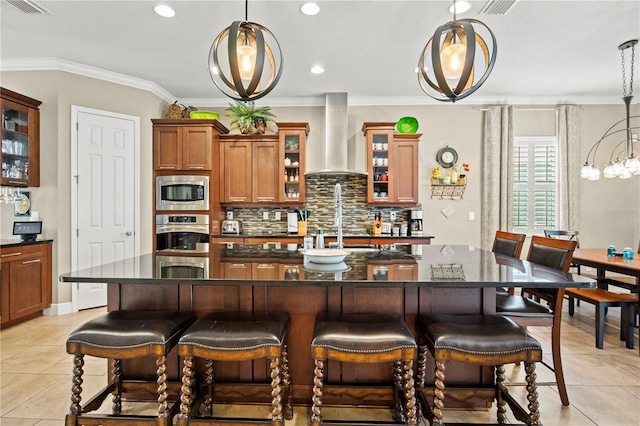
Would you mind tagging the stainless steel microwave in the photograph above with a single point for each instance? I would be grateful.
(182, 193)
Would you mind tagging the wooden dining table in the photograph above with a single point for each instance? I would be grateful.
(598, 259)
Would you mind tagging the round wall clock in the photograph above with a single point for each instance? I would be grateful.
(447, 157)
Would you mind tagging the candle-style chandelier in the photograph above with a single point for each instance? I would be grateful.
(457, 60)
(250, 64)
(623, 161)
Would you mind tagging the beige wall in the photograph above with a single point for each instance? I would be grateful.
(609, 210)
(58, 91)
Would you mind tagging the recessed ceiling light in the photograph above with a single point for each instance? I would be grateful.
(317, 69)
(310, 9)
(164, 11)
(460, 6)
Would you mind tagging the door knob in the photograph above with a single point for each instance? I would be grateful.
(128, 233)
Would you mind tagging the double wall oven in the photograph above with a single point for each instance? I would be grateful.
(183, 230)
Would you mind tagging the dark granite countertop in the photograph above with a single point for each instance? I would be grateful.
(5, 243)
(432, 266)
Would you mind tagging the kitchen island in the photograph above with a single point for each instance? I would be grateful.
(409, 280)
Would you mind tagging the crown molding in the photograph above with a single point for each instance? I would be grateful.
(42, 64)
(55, 64)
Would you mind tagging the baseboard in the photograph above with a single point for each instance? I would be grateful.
(59, 309)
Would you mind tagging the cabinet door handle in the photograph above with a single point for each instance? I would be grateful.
(266, 198)
(11, 254)
(17, 182)
(265, 265)
(26, 262)
(405, 266)
(196, 167)
(238, 265)
(167, 167)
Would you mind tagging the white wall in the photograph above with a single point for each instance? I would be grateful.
(609, 210)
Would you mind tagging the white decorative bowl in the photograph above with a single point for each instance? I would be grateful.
(325, 255)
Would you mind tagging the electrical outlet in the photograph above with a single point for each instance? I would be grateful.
(472, 215)
(265, 215)
(392, 216)
(278, 216)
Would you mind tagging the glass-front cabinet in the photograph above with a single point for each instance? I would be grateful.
(392, 165)
(20, 139)
(292, 142)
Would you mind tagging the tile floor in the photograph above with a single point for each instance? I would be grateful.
(603, 385)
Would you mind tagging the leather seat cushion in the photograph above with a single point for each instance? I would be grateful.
(505, 247)
(124, 330)
(552, 257)
(237, 331)
(518, 306)
(475, 334)
(362, 333)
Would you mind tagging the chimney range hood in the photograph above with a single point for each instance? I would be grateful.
(335, 148)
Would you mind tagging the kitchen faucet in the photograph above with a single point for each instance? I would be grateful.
(337, 204)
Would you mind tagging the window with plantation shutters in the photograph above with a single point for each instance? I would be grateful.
(534, 184)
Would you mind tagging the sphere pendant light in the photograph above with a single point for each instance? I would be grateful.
(457, 60)
(245, 60)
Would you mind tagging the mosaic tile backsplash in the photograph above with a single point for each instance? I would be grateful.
(357, 217)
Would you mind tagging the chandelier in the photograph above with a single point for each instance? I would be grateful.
(457, 60)
(623, 161)
(250, 64)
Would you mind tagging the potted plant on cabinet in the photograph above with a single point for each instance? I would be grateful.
(249, 118)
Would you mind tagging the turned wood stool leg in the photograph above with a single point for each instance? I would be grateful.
(501, 390)
(286, 380)
(532, 394)
(316, 410)
(397, 383)
(438, 396)
(76, 386)
(409, 394)
(276, 398)
(422, 365)
(186, 391)
(116, 369)
(207, 408)
(163, 414)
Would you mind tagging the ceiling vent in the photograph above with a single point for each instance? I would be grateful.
(29, 6)
(497, 7)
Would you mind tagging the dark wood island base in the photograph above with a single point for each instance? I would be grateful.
(409, 281)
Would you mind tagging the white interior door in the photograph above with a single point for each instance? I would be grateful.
(105, 187)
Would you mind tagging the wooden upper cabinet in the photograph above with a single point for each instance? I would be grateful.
(249, 169)
(293, 138)
(392, 165)
(265, 173)
(20, 151)
(264, 169)
(405, 167)
(235, 179)
(185, 144)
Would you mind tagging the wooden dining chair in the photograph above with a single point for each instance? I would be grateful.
(508, 243)
(553, 253)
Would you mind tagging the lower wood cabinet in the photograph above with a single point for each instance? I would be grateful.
(26, 281)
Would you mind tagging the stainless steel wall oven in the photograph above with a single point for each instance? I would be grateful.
(187, 267)
(182, 233)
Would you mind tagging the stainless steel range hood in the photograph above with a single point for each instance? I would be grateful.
(335, 148)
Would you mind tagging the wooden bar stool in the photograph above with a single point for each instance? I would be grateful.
(483, 340)
(366, 338)
(124, 335)
(234, 336)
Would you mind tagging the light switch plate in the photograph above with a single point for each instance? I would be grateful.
(265, 215)
(392, 216)
(278, 216)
